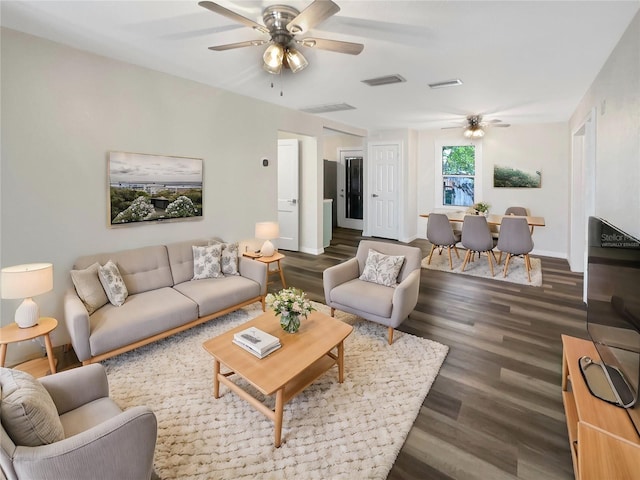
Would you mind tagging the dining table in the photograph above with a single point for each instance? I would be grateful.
(492, 219)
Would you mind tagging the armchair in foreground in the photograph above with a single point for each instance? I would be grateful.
(71, 429)
(388, 305)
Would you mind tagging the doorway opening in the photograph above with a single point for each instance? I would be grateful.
(354, 191)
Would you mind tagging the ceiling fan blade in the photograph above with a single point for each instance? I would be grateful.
(229, 46)
(214, 7)
(311, 16)
(503, 125)
(449, 128)
(332, 45)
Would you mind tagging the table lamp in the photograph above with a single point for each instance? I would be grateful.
(26, 281)
(267, 231)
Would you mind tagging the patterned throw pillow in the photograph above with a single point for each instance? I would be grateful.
(382, 269)
(229, 258)
(206, 262)
(112, 283)
(89, 288)
(28, 413)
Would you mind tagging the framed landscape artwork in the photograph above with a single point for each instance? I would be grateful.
(153, 188)
(516, 177)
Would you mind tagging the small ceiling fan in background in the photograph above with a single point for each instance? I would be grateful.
(474, 126)
(282, 23)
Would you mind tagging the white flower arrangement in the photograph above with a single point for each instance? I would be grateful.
(289, 300)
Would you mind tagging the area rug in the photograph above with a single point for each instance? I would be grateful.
(330, 431)
(517, 273)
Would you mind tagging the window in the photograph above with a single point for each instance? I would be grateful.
(458, 184)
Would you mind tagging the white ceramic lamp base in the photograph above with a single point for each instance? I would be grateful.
(267, 249)
(27, 314)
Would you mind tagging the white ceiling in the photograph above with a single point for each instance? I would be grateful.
(520, 61)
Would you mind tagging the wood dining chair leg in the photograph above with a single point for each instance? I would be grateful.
(390, 335)
(450, 261)
(490, 263)
(457, 253)
(527, 264)
(433, 247)
(466, 259)
(506, 264)
(500, 257)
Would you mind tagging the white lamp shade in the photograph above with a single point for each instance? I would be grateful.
(267, 230)
(29, 280)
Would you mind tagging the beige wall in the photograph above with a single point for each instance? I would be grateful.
(615, 96)
(64, 109)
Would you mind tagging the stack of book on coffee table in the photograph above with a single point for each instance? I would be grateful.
(257, 342)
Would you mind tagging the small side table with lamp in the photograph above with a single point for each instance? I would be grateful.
(26, 281)
(268, 231)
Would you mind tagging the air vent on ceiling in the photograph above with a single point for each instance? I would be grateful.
(447, 83)
(333, 107)
(386, 80)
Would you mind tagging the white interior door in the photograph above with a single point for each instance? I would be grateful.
(350, 179)
(288, 204)
(384, 190)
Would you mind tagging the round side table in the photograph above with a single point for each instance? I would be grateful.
(13, 334)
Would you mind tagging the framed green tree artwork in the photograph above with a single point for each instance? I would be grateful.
(510, 177)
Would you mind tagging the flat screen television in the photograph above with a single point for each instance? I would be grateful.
(613, 315)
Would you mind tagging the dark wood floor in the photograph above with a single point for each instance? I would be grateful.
(495, 410)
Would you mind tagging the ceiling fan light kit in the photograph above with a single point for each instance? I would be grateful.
(282, 23)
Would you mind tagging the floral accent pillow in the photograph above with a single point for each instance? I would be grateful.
(112, 283)
(229, 259)
(206, 262)
(382, 269)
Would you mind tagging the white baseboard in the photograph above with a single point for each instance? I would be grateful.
(312, 251)
(549, 253)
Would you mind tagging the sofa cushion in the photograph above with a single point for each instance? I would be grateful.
(206, 261)
(143, 315)
(365, 296)
(382, 269)
(112, 283)
(181, 258)
(89, 288)
(142, 269)
(229, 259)
(215, 294)
(28, 413)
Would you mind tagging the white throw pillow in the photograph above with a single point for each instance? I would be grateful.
(89, 288)
(382, 269)
(112, 283)
(28, 413)
(206, 262)
(229, 259)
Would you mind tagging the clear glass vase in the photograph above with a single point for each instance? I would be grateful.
(290, 322)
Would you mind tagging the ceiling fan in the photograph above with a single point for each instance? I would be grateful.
(282, 23)
(474, 126)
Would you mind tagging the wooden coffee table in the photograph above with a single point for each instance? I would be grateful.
(303, 357)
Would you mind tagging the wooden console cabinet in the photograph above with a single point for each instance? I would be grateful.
(604, 442)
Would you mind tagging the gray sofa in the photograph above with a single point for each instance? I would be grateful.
(163, 299)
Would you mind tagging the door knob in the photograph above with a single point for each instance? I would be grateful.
(293, 201)
(374, 195)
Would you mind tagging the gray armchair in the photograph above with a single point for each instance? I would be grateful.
(100, 440)
(388, 306)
